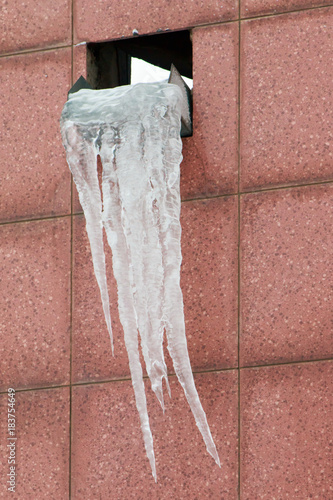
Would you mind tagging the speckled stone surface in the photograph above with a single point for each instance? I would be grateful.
(100, 21)
(35, 303)
(108, 455)
(286, 275)
(34, 24)
(209, 284)
(209, 281)
(34, 177)
(79, 62)
(251, 8)
(286, 432)
(287, 99)
(210, 164)
(42, 445)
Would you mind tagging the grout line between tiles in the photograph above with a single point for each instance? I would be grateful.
(257, 191)
(71, 292)
(195, 372)
(71, 354)
(38, 219)
(258, 16)
(238, 253)
(110, 381)
(240, 193)
(192, 27)
(287, 363)
(31, 389)
(287, 186)
(206, 198)
(285, 12)
(34, 51)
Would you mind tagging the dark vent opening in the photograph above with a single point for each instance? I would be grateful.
(109, 63)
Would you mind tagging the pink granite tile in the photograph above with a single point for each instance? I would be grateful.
(108, 455)
(79, 62)
(287, 99)
(251, 8)
(35, 303)
(210, 164)
(209, 284)
(42, 445)
(209, 281)
(286, 432)
(286, 275)
(99, 21)
(34, 177)
(34, 24)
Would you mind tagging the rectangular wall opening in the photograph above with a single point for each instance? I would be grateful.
(139, 59)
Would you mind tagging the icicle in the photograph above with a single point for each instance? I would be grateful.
(136, 131)
(80, 144)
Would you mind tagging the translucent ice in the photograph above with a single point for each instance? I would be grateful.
(136, 131)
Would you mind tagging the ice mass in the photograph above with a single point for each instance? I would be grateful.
(135, 129)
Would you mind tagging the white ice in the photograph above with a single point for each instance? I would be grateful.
(136, 131)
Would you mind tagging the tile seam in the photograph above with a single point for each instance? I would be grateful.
(285, 12)
(110, 381)
(287, 363)
(242, 193)
(196, 372)
(190, 27)
(207, 198)
(239, 255)
(38, 219)
(34, 51)
(287, 186)
(255, 191)
(71, 292)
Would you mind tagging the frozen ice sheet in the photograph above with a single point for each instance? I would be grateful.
(136, 131)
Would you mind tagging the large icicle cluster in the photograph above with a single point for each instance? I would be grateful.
(136, 131)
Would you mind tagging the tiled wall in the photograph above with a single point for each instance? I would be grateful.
(257, 218)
